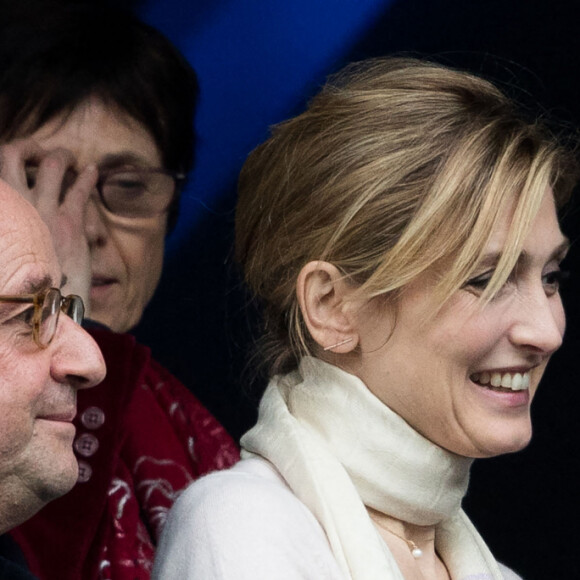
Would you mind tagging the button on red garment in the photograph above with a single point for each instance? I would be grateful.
(85, 472)
(93, 417)
(86, 444)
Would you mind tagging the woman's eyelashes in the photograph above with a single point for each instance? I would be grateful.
(479, 283)
(552, 281)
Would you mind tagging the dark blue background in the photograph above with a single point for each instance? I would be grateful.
(258, 61)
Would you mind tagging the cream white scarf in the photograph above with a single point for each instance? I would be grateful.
(339, 448)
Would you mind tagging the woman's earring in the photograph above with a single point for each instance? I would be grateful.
(345, 341)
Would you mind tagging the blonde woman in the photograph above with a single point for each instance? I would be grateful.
(403, 238)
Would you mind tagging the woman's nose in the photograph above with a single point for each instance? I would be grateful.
(540, 322)
(95, 226)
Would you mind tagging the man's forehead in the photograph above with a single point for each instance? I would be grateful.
(12, 203)
(22, 270)
(24, 242)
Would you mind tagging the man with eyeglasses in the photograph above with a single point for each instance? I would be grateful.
(96, 131)
(45, 358)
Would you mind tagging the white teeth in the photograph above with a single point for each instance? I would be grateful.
(506, 381)
(516, 383)
(526, 381)
(513, 381)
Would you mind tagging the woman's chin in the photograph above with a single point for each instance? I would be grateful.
(504, 443)
(498, 438)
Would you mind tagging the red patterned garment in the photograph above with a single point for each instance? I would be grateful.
(141, 438)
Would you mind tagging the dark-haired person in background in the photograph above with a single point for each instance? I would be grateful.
(96, 112)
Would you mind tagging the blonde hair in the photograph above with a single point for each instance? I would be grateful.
(397, 165)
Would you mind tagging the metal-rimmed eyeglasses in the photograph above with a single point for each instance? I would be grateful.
(138, 192)
(47, 306)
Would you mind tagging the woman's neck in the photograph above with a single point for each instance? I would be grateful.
(412, 546)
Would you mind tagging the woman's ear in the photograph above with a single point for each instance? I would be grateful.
(323, 293)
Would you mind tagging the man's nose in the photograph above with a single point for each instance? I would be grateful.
(77, 360)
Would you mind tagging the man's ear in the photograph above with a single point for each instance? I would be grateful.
(323, 293)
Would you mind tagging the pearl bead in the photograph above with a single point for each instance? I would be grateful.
(417, 552)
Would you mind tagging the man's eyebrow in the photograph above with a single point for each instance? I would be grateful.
(32, 286)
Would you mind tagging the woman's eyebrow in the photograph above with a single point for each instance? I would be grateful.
(561, 251)
(124, 158)
(558, 253)
(492, 259)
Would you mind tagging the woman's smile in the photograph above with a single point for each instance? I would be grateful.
(503, 381)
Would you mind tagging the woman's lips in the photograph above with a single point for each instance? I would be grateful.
(504, 389)
(98, 280)
(101, 286)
